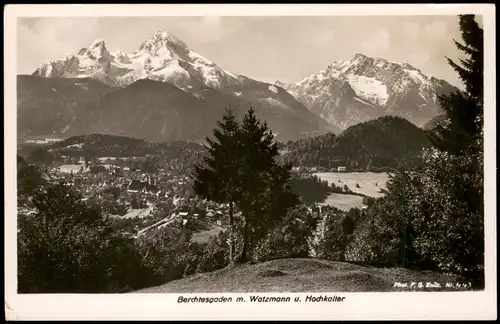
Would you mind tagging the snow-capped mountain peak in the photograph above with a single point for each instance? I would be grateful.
(359, 56)
(98, 44)
(163, 110)
(163, 41)
(168, 37)
(408, 66)
(161, 57)
(97, 50)
(383, 86)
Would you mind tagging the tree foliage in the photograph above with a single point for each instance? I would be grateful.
(289, 239)
(29, 178)
(464, 109)
(242, 168)
(375, 145)
(433, 214)
(68, 246)
(216, 179)
(333, 233)
(164, 254)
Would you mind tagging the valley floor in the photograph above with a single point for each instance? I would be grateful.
(305, 275)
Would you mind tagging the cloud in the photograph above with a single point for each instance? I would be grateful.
(320, 38)
(206, 29)
(43, 39)
(420, 58)
(412, 31)
(437, 30)
(377, 42)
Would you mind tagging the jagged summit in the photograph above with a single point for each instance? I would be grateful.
(161, 40)
(173, 91)
(408, 66)
(363, 58)
(359, 56)
(161, 57)
(98, 43)
(167, 36)
(380, 87)
(97, 49)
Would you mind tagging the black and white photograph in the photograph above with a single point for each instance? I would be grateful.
(288, 159)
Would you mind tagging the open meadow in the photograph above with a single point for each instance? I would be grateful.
(344, 202)
(369, 183)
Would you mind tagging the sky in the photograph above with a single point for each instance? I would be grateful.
(284, 48)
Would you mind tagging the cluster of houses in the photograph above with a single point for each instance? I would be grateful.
(149, 186)
(159, 194)
(319, 169)
(162, 193)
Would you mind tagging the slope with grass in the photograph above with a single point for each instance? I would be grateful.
(302, 275)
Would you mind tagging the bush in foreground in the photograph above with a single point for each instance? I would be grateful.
(289, 239)
(68, 246)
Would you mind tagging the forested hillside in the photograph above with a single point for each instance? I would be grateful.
(375, 145)
(99, 145)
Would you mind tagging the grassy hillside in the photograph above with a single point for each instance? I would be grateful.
(301, 275)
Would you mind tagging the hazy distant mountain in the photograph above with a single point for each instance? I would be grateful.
(364, 88)
(162, 91)
(56, 106)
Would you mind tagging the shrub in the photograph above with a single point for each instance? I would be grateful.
(164, 254)
(431, 217)
(215, 253)
(289, 239)
(374, 242)
(68, 246)
(368, 201)
(332, 235)
(448, 213)
(384, 236)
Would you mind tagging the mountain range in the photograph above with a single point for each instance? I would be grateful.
(162, 91)
(166, 91)
(365, 88)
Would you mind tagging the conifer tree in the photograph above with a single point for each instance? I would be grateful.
(215, 179)
(241, 169)
(464, 109)
(437, 204)
(266, 194)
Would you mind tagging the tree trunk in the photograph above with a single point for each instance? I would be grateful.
(243, 257)
(232, 248)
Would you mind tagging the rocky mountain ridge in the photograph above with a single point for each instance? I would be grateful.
(162, 91)
(364, 88)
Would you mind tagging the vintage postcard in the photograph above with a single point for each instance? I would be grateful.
(310, 162)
